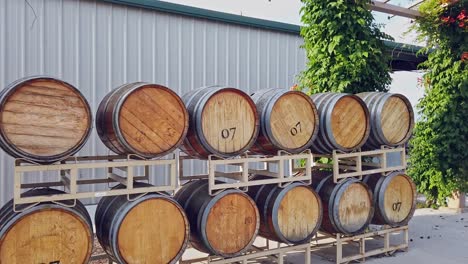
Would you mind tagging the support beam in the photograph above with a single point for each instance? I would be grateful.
(393, 9)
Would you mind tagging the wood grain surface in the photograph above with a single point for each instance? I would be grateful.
(154, 231)
(299, 213)
(232, 223)
(354, 207)
(47, 236)
(153, 120)
(399, 198)
(292, 121)
(45, 118)
(348, 122)
(395, 120)
(228, 121)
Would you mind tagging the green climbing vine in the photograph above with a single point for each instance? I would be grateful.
(439, 148)
(344, 47)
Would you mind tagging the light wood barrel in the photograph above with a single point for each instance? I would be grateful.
(149, 120)
(347, 205)
(45, 233)
(344, 122)
(288, 121)
(150, 229)
(392, 119)
(290, 215)
(223, 122)
(394, 198)
(225, 224)
(43, 119)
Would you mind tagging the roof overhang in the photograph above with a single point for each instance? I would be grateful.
(404, 56)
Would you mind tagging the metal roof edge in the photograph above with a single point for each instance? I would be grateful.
(237, 19)
(210, 14)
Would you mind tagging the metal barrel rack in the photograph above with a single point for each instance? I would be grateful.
(120, 169)
(358, 164)
(282, 169)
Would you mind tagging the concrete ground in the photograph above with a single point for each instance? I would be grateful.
(436, 237)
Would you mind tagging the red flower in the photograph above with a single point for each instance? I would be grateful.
(461, 24)
(451, 20)
(464, 56)
(462, 15)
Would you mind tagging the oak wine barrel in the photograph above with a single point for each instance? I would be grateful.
(149, 229)
(223, 122)
(225, 224)
(45, 233)
(392, 119)
(149, 120)
(344, 122)
(394, 198)
(347, 205)
(290, 215)
(288, 121)
(43, 119)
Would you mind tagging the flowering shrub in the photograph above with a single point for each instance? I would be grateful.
(439, 147)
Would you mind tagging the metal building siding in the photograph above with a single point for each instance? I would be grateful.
(98, 46)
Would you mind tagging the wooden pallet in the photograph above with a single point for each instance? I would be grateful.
(120, 169)
(359, 241)
(347, 165)
(242, 170)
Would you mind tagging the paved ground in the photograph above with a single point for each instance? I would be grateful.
(436, 237)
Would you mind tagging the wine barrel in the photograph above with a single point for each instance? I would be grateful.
(150, 229)
(223, 122)
(45, 233)
(391, 119)
(394, 198)
(43, 119)
(288, 121)
(347, 205)
(225, 224)
(149, 120)
(344, 122)
(290, 215)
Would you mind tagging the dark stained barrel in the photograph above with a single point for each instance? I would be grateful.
(347, 205)
(394, 198)
(290, 215)
(344, 122)
(45, 233)
(392, 119)
(225, 224)
(43, 119)
(149, 120)
(223, 122)
(150, 229)
(288, 121)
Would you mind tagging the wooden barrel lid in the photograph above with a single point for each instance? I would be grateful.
(293, 120)
(299, 213)
(47, 236)
(154, 231)
(399, 198)
(396, 120)
(153, 119)
(349, 122)
(45, 117)
(229, 121)
(232, 223)
(354, 208)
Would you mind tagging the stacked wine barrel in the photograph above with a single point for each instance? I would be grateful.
(45, 120)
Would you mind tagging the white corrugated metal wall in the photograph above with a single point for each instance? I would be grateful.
(98, 46)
